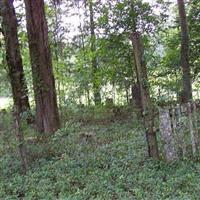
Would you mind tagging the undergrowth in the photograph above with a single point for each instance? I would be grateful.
(92, 161)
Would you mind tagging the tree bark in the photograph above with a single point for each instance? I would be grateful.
(187, 87)
(181, 138)
(47, 117)
(96, 86)
(20, 140)
(191, 128)
(167, 135)
(13, 57)
(136, 97)
(135, 87)
(145, 96)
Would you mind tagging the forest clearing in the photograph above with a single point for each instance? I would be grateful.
(99, 100)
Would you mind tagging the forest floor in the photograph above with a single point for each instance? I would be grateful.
(93, 157)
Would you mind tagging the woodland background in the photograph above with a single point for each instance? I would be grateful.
(99, 99)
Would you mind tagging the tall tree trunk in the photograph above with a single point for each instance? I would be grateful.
(20, 140)
(136, 97)
(187, 87)
(135, 87)
(13, 57)
(16, 73)
(47, 117)
(96, 86)
(145, 96)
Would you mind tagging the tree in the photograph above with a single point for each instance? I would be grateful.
(47, 117)
(187, 87)
(119, 19)
(96, 88)
(16, 73)
(147, 109)
(13, 57)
